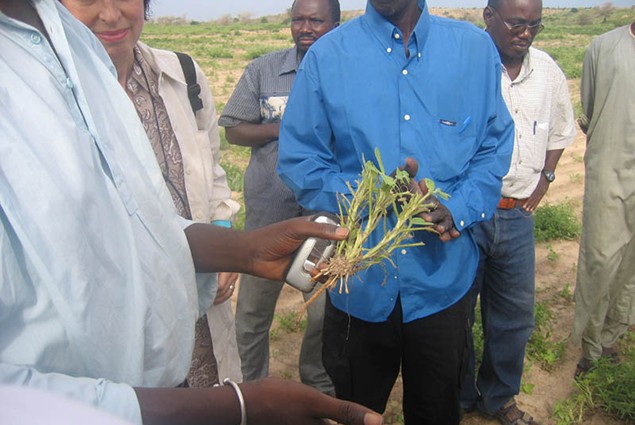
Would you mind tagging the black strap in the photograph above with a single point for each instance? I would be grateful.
(193, 89)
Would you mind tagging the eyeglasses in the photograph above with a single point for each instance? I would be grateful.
(519, 29)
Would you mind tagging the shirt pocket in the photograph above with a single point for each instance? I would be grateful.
(454, 146)
(536, 150)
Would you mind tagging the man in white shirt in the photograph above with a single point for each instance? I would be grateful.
(91, 246)
(536, 93)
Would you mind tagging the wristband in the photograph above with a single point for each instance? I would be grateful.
(241, 400)
(222, 223)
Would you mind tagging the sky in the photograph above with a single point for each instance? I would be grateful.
(203, 10)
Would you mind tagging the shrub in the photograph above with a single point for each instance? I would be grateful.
(557, 221)
(608, 386)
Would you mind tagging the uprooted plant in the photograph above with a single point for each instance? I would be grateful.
(368, 207)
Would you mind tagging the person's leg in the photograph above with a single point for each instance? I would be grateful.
(507, 302)
(362, 358)
(614, 308)
(481, 234)
(621, 314)
(312, 370)
(255, 308)
(612, 331)
(605, 269)
(434, 357)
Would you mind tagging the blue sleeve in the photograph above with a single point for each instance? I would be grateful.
(307, 161)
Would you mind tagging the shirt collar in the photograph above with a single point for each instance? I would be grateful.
(526, 69)
(385, 31)
(290, 61)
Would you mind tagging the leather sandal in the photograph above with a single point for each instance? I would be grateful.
(510, 414)
(585, 365)
(582, 368)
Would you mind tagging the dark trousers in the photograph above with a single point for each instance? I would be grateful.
(363, 360)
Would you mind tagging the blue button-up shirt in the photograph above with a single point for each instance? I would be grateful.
(441, 104)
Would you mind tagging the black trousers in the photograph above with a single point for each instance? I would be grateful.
(363, 360)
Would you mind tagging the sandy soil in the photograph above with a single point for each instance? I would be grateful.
(555, 281)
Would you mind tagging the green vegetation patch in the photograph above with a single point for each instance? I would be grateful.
(608, 386)
(556, 221)
(542, 347)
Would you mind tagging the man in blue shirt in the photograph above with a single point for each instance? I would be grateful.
(416, 86)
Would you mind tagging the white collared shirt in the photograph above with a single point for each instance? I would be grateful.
(97, 289)
(539, 102)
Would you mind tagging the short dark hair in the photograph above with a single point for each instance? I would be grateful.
(146, 9)
(493, 3)
(334, 6)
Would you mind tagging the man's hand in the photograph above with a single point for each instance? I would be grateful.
(226, 286)
(265, 252)
(300, 404)
(440, 216)
(539, 192)
(273, 246)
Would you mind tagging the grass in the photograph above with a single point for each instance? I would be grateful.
(543, 348)
(291, 322)
(556, 222)
(552, 254)
(609, 387)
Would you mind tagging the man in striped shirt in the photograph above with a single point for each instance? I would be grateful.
(535, 91)
(252, 118)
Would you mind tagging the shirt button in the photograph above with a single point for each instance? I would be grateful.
(406, 117)
(389, 50)
(36, 38)
(397, 36)
(198, 216)
(482, 215)
(419, 54)
(461, 223)
(69, 83)
(403, 251)
(188, 171)
(404, 72)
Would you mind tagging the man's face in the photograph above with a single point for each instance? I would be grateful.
(391, 9)
(310, 20)
(513, 24)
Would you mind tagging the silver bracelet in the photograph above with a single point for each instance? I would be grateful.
(241, 400)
